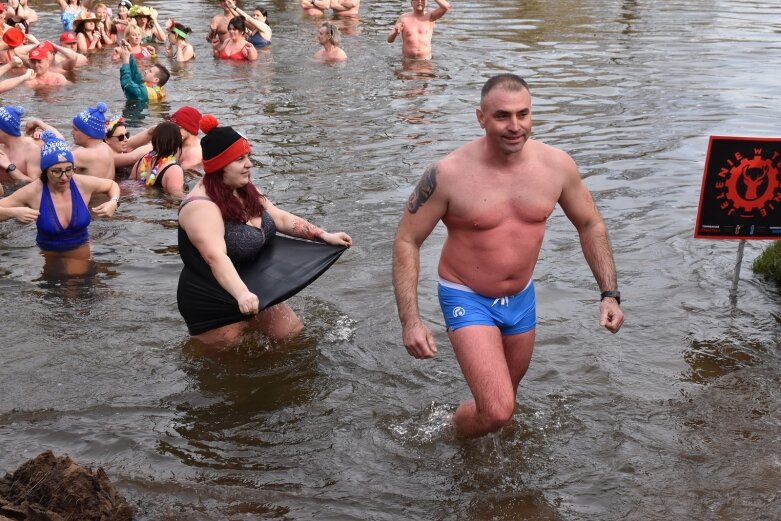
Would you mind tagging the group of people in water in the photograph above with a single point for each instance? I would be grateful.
(494, 195)
(135, 33)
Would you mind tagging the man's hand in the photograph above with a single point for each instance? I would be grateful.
(610, 315)
(419, 340)
(398, 28)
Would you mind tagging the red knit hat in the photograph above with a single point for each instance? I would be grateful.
(187, 118)
(220, 145)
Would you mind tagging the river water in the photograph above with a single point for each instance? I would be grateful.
(676, 417)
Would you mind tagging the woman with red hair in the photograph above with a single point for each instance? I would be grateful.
(224, 224)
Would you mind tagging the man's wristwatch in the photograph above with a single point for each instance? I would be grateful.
(10, 168)
(611, 294)
(116, 200)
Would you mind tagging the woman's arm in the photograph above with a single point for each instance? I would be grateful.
(81, 42)
(262, 27)
(95, 185)
(157, 31)
(130, 158)
(32, 123)
(202, 221)
(141, 138)
(10, 83)
(295, 226)
(173, 181)
(250, 52)
(187, 54)
(17, 205)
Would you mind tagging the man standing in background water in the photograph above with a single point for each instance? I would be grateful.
(495, 195)
(417, 28)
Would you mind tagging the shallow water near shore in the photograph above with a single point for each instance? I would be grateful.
(677, 416)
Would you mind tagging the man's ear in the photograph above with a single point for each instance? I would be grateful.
(480, 117)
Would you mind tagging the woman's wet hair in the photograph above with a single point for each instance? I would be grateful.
(166, 139)
(237, 22)
(248, 205)
(333, 33)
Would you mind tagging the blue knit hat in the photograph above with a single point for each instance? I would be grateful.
(11, 120)
(54, 150)
(91, 121)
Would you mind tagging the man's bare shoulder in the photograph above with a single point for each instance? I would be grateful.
(466, 154)
(549, 155)
(31, 145)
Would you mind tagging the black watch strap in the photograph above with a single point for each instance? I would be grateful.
(611, 294)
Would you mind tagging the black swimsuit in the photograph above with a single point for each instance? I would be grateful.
(200, 296)
(273, 267)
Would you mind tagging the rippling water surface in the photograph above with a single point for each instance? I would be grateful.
(676, 417)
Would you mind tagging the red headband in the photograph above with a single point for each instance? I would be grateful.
(224, 158)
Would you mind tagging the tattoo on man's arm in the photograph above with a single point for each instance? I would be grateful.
(424, 190)
(306, 230)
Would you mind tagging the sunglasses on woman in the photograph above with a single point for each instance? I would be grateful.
(122, 137)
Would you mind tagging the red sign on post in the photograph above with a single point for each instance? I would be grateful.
(741, 189)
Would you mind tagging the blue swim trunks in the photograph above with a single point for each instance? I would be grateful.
(463, 307)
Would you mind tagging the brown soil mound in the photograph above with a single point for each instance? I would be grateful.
(49, 488)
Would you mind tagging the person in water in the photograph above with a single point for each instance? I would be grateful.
(58, 202)
(235, 47)
(108, 34)
(188, 119)
(146, 19)
(67, 56)
(149, 86)
(328, 37)
(127, 150)
(13, 82)
(133, 39)
(91, 156)
(41, 62)
(70, 10)
(314, 8)
(20, 155)
(417, 28)
(160, 168)
(88, 38)
(345, 8)
(218, 29)
(225, 222)
(20, 14)
(122, 19)
(177, 47)
(494, 196)
(258, 30)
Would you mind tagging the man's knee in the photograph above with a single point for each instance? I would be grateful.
(498, 414)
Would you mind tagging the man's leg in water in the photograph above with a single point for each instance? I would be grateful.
(493, 367)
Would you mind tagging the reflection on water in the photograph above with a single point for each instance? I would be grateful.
(674, 418)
